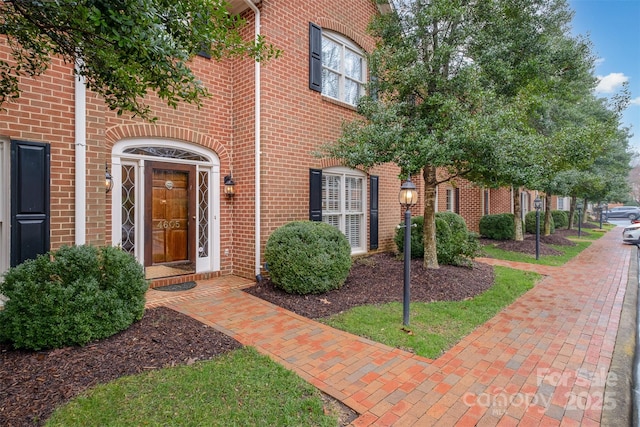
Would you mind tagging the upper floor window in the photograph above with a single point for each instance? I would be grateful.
(343, 69)
(337, 66)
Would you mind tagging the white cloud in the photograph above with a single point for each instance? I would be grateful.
(635, 101)
(610, 82)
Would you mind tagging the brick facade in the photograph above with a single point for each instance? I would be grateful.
(295, 121)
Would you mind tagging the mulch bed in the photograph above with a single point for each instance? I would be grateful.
(33, 384)
(378, 279)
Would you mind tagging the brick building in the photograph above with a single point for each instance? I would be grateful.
(260, 129)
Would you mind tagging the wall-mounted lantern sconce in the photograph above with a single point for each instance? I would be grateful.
(108, 179)
(229, 186)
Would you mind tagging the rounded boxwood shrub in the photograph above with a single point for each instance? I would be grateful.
(71, 296)
(530, 222)
(498, 226)
(417, 234)
(454, 244)
(560, 218)
(308, 257)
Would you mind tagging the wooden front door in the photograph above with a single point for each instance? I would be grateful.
(170, 215)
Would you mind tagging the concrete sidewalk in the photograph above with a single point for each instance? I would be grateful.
(544, 360)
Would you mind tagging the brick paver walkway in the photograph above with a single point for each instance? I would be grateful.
(543, 360)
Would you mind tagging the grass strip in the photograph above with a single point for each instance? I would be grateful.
(241, 388)
(434, 326)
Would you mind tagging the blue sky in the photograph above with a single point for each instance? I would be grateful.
(613, 26)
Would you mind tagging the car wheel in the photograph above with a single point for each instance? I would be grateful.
(632, 217)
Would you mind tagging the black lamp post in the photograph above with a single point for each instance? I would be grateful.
(601, 207)
(408, 197)
(579, 208)
(537, 204)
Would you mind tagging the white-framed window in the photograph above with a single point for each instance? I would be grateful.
(451, 200)
(343, 68)
(344, 204)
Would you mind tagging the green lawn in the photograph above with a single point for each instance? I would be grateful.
(436, 326)
(242, 388)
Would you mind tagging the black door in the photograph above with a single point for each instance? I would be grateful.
(30, 206)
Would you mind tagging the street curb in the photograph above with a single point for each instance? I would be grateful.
(618, 408)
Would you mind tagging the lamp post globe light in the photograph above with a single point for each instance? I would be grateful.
(537, 204)
(407, 197)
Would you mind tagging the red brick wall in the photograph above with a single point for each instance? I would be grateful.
(295, 122)
(45, 113)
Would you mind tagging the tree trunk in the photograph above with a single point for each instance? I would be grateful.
(547, 215)
(517, 215)
(572, 209)
(430, 183)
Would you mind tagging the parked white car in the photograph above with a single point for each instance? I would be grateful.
(631, 234)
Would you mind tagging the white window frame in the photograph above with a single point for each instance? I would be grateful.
(451, 200)
(346, 45)
(341, 212)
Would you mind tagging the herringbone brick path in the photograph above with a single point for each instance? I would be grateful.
(544, 360)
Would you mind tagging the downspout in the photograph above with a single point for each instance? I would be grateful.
(257, 89)
(80, 159)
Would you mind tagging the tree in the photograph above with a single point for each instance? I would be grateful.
(123, 48)
(428, 110)
(458, 92)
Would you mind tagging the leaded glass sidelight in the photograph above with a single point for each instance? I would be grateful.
(203, 212)
(128, 209)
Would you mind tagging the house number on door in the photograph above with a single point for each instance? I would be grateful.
(168, 224)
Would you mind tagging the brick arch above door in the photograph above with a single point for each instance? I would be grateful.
(118, 133)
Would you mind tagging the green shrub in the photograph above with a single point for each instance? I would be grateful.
(306, 257)
(560, 218)
(498, 226)
(530, 222)
(417, 236)
(71, 296)
(454, 244)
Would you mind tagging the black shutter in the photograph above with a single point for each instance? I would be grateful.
(30, 206)
(315, 195)
(457, 200)
(373, 212)
(315, 57)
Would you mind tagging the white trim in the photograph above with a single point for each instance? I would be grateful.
(205, 264)
(257, 148)
(80, 132)
(345, 44)
(352, 173)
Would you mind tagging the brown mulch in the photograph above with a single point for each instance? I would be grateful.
(378, 279)
(528, 245)
(33, 384)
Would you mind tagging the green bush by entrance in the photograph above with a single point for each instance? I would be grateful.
(71, 296)
(306, 257)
